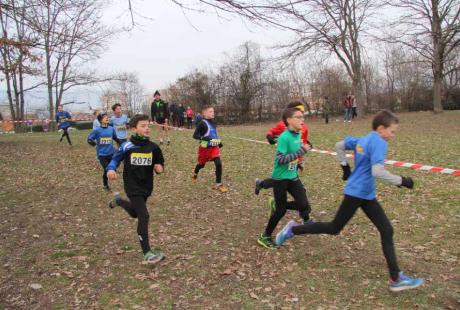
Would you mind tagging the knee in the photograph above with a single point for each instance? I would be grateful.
(335, 229)
(279, 212)
(218, 163)
(143, 216)
(303, 205)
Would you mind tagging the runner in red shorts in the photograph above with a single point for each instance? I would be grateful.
(209, 148)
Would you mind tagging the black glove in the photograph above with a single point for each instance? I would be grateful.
(221, 145)
(346, 172)
(91, 142)
(300, 167)
(271, 139)
(407, 182)
(309, 143)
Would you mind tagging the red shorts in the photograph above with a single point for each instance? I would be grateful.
(206, 154)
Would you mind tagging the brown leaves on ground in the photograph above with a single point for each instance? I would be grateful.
(62, 247)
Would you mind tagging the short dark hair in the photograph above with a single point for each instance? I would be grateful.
(384, 118)
(115, 106)
(294, 104)
(288, 113)
(205, 107)
(100, 116)
(136, 119)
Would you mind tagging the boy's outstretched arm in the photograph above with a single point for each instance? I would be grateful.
(379, 171)
(114, 163)
(340, 149)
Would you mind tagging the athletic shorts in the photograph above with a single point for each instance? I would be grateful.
(206, 154)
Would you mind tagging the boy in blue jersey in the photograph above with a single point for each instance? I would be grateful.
(102, 138)
(120, 123)
(63, 119)
(369, 155)
(209, 148)
(141, 158)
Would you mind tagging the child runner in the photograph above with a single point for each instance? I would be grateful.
(274, 133)
(63, 119)
(160, 114)
(120, 123)
(96, 122)
(369, 155)
(102, 137)
(141, 158)
(285, 176)
(209, 148)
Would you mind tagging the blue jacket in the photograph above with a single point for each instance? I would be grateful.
(103, 137)
(62, 119)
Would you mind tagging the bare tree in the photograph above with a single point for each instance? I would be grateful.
(195, 89)
(241, 78)
(432, 29)
(18, 58)
(336, 26)
(127, 84)
(70, 33)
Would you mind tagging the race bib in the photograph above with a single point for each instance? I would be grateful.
(141, 159)
(293, 165)
(214, 142)
(105, 141)
(121, 127)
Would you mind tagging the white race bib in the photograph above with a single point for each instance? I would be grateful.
(293, 165)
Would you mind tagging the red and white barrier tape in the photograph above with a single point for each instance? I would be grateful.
(44, 120)
(387, 162)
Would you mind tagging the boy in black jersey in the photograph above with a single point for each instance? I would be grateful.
(141, 158)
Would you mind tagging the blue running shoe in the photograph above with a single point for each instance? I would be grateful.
(285, 233)
(404, 283)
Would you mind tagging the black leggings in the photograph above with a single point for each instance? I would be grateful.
(66, 134)
(137, 208)
(347, 209)
(267, 183)
(218, 164)
(104, 161)
(300, 202)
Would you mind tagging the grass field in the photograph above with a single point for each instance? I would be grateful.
(56, 229)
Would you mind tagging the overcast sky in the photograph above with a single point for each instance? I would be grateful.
(175, 42)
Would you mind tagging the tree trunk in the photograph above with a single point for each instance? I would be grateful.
(437, 93)
(437, 59)
(49, 81)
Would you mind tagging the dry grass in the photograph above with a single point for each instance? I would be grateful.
(58, 232)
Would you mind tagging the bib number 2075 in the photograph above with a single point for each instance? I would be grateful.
(141, 159)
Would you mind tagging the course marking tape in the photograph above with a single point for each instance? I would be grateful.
(387, 162)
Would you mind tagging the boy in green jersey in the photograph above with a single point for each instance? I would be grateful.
(285, 175)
